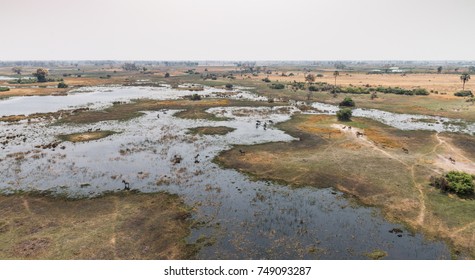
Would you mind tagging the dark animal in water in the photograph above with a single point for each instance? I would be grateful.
(98, 129)
(270, 121)
(265, 126)
(89, 130)
(158, 115)
(126, 185)
(176, 159)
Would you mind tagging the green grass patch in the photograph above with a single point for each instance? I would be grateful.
(199, 114)
(86, 136)
(376, 254)
(211, 130)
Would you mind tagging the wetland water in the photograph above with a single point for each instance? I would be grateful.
(240, 218)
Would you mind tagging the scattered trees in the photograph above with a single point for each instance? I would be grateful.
(465, 77)
(130, 67)
(41, 74)
(344, 114)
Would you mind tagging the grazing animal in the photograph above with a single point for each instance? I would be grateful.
(242, 152)
(344, 127)
(89, 130)
(452, 160)
(126, 185)
(98, 129)
(405, 150)
(358, 134)
(270, 121)
(176, 159)
(349, 127)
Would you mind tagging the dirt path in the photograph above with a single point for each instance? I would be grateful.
(365, 141)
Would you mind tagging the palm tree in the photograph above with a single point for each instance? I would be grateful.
(464, 78)
(335, 74)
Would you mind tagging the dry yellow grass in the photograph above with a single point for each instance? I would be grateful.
(116, 226)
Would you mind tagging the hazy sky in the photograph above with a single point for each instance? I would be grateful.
(237, 30)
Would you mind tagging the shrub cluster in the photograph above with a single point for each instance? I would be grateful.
(344, 114)
(457, 182)
(277, 86)
(195, 97)
(62, 85)
(347, 102)
(464, 93)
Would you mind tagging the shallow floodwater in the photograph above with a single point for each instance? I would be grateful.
(99, 97)
(241, 218)
(405, 121)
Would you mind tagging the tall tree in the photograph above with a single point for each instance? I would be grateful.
(310, 78)
(335, 74)
(439, 69)
(17, 70)
(464, 78)
(41, 74)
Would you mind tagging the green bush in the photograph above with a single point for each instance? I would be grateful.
(4, 89)
(420, 91)
(347, 102)
(313, 88)
(457, 182)
(62, 85)
(195, 97)
(401, 91)
(23, 81)
(277, 86)
(266, 80)
(354, 90)
(464, 93)
(344, 114)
